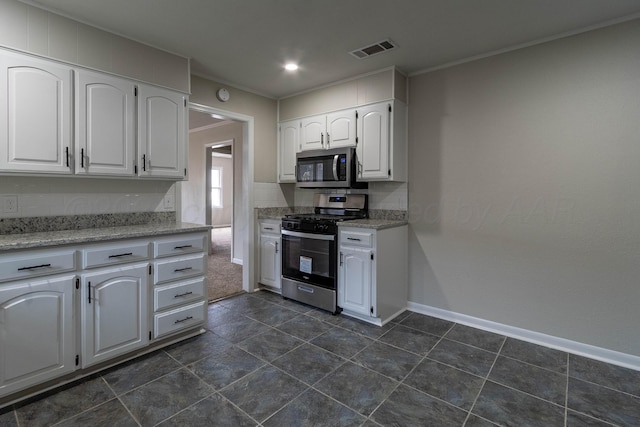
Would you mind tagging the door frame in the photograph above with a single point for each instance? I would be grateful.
(208, 148)
(246, 205)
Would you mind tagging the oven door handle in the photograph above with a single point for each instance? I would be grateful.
(309, 235)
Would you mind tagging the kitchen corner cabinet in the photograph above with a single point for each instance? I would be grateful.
(105, 125)
(372, 273)
(270, 253)
(332, 130)
(37, 331)
(35, 115)
(162, 133)
(288, 146)
(382, 142)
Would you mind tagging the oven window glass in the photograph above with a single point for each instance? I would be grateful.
(309, 260)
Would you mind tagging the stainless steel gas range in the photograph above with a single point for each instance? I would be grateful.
(310, 248)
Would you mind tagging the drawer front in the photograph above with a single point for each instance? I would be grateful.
(36, 263)
(168, 296)
(178, 245)
(179, 319)
(269, 228)
(179, 268)
(357, 238)
(115, 253)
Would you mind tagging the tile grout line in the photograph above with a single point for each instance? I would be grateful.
(566, 394)
(484, 382)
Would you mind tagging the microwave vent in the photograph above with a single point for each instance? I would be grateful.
(374, 49)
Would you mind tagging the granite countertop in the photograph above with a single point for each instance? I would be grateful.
(377, 224)
(88, 235)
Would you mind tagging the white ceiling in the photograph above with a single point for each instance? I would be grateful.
(245, 43)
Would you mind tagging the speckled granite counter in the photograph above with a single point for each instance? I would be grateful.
(88, 235)
(376, 224)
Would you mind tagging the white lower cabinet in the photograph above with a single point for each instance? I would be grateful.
(69, 308)
(37, 332)
(114, 312)
(270, 254)
(372, 273)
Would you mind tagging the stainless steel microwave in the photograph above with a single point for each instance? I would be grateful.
(333, 168)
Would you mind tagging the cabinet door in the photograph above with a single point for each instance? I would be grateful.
(161, 133)
(312, 133)
(37, 334)
(270, 260)
(354, 280)
(114, 312)
(35, 115)
(288, 147)
(341, 129)
(105, 132)
(373, 142)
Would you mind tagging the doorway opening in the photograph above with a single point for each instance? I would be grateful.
(215, 134)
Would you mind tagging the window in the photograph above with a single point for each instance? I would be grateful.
(216, 187)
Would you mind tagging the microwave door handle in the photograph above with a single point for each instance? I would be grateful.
(335, 167)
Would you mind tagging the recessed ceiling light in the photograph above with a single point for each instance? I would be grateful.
(291, 66)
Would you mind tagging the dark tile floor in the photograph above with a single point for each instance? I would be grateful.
(272, 362)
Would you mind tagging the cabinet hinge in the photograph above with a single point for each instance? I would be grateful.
(371, 310)
(149, 335)
(372, 257)
(149, 270)
(77, 283)
(389, 107)
(135, 91)
(77, 359)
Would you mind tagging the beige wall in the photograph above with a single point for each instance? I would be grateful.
(262, 109)
(524, 188)
(43, 33)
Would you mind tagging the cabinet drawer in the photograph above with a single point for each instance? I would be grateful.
(36, 263)
(179, 245)
(269, 228)
(181, 318)
(357, 238)
(168, 296)
(179, 268)
(115, 253)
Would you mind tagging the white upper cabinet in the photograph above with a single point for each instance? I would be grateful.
(162, 118)
(341, 129)
(382, 145)
(288, 146)
(105, 125)
(329, 131)
(35, 115)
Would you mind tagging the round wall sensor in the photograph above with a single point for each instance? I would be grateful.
(223, 95)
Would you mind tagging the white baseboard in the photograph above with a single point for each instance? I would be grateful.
(573, 347)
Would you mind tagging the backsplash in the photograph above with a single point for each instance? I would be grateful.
(388, 196)
(53, 196)
(79, 222)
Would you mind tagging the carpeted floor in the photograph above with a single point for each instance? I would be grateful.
(224, 277)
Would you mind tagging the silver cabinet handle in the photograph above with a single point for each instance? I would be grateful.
(354, 238)
(178, 270)
(268, 228)
(183, 247)
(183, 294)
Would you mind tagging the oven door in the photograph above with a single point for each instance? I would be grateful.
(309, 258)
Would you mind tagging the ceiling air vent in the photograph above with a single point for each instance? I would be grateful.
(374, 49)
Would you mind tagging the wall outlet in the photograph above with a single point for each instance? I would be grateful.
(169, 201)
(10, 204)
